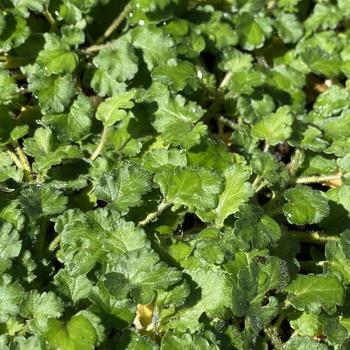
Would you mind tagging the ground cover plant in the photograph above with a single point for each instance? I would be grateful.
(174, 174)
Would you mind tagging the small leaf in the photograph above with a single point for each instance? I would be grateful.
(311, 293)
(113, 109)
(77, 334)
(306, 206)
(275, 127)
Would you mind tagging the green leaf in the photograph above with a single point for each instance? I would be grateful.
(77, 334)
(305, 205)
(11, 296)
(195, 188)
(269, 168)
(46, 151)
(325, 16)
(133, 340)
(54, 92)
(117, 237)
(119, 62)
(113, 109)
(175, 341)
(74, 125)
(75, 288)
(331, 102)
(144, 273)
(289, 28)
(321, 62)
(158, 158)
(40, 308)
(123, 187)
(10, 246)
(8, 86)
(104, 85)
(275, 127)
(157, 47)
(42, 201)
(236, 192)
(8, 170)
(178, 75)
(253, 277)
(236, 61)
(14, 30)
(177, 122)
(337, 254)
(214, 287)
(25, 6)
(304, 343)
(252, 225)
(311, 293)
(306, 324)
(253, 30)
(56, 58)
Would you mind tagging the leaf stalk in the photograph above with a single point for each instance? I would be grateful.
(100, 144)
(115, 24)
(152, 216)
(317, 179)
(313, 237)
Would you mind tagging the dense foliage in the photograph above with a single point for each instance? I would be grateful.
(174, 174)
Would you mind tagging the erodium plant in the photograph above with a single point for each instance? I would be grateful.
(174, 174)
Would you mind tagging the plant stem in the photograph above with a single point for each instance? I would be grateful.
(94, 48)
(281, 318)
(274, 338)
(53, 245)
(256, 181)
(266, 147)
(295, 163)
(100, 144)
(47, 14)
(15, 159)
(317, 179)
(6, 189)
(152, 216)
(22, 162)
(313, 237)
(261, 186)
(115, 24)
(220, 98)
(228, 122)
(225, 81)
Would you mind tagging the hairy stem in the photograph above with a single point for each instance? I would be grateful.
(228, 122)
(273, 336)
(22, 162)
(226, 80)
(317, 179)
(53, 245)
(152, 216)
(266, 147)
(295, 163)
(100, 144)
(313, 237)
(115, 24)
(47, 14)
(94, 48)
(261, 186)
(15, 159)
